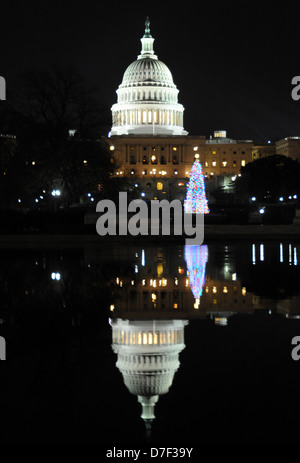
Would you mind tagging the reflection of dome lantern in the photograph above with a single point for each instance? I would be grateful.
(148, 354)
(147, 97)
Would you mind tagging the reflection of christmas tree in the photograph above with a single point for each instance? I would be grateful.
(196, 258)
(196, 202)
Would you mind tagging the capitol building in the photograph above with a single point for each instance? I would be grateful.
(148, 139)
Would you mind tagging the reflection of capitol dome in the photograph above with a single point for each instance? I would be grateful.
(148, 354)
(147, 97)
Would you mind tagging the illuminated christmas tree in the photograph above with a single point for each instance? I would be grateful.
(196, 202)
(196, 258)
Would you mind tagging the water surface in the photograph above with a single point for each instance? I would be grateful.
(206, 330)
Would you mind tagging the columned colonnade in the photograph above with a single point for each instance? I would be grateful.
(148, 116)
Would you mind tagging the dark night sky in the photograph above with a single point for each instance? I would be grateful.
(233, 62)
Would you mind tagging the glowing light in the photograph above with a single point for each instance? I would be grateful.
(261, 252)
(196, 202)
(56, 193)
(196, 258)
(55, 276)
(143, 258)
(262, 210)
(281, 252)
(253, 254)
(253, 198)
(281, 198)
(222, 321)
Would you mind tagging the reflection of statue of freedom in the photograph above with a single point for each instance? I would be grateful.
(2, 348)
(2, 88)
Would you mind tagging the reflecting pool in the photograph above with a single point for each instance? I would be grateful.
(146, 343)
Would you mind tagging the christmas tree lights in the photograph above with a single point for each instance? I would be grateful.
(196, 258)
(196, 202)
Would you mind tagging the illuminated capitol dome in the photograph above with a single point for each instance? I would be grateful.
(148, 357)
(147, 97)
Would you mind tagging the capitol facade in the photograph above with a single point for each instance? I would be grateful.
(148, 140)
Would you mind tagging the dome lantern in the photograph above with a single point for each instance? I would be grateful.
(147, 43)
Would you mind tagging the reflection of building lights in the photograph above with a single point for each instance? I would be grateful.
(143, 258)
(225, 289)
(253, 254)
(261, 253)
(112, 308)
(55, 276)
(295, 257)
(244, 291)
(233, 277)
(222, 321)
(281, 252)
(214, 289)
